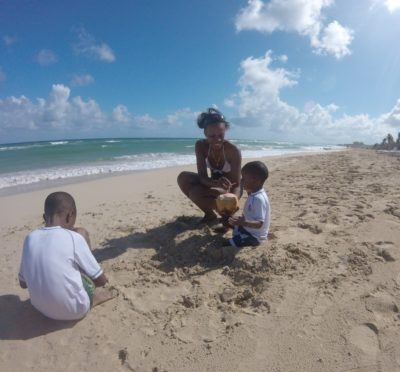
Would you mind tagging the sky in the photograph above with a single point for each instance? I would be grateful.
(315, 71)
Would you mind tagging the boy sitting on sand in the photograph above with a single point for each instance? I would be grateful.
(252, 227)
(57, 265)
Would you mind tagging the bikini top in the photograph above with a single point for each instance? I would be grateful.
(225, 169)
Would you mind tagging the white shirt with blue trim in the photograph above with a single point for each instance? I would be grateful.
(51, 265)
(257, 208)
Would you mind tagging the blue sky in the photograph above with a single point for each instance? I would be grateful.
(317, 70)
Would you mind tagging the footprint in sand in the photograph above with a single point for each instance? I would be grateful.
(388, 251)
(382, 305)
(393, 210)
(365, 338)
(315, 229)
(322, 305)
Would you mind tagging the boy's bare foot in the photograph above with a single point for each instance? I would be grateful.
(102, 295)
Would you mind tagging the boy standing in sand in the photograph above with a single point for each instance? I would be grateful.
(57, 265)
(252, 227)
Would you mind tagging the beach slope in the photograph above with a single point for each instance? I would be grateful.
(322, 294)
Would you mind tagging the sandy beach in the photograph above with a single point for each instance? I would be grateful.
(322, 294)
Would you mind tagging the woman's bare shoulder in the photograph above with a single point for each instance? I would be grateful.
(231, 148)
(201, 146)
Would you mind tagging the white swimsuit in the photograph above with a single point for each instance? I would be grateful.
(217, 173)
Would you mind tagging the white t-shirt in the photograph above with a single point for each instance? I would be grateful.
(257, 208)
(50, 264)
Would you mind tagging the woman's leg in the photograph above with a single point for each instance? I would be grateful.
(84, 233)
(202, 196)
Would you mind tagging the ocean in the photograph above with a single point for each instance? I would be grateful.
(36, 163)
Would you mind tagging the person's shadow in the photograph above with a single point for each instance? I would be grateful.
(19, 320)
(199, 248)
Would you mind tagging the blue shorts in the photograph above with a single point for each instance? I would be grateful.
(242, 238)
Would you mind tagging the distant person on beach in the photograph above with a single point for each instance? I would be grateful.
(57, 265)
(252, 227)
(223, 159)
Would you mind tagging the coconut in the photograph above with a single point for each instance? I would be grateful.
(227, 204)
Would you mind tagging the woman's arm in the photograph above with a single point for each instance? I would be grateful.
(202, 166)
(235, 159)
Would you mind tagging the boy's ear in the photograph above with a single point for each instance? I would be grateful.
(69, 216)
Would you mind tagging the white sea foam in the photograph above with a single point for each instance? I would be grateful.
(112, 141)
(11, 148)
(136, 162)
(272, 151)
(56, 143)
(32, 145)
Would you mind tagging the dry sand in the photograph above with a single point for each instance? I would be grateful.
(323, 294)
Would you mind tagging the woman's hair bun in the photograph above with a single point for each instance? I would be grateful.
(211, 116)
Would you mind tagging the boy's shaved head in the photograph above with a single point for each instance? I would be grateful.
(58, 203)
(258, 169)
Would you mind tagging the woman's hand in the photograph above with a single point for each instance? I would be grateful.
(224, 183)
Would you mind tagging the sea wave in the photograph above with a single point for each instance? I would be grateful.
(24, 147)
(31, 145)
(126, 163)
(56, 143)
(143, 162)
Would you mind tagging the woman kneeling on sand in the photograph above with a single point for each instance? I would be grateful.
(223, 159)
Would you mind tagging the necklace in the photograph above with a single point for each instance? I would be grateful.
(216, 160)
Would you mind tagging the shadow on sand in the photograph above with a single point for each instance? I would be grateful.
(200, 247)
(19, 320)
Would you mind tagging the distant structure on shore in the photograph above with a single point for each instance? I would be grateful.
(388, 143)
(358, 145)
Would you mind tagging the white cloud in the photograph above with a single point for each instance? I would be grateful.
(58, 112)
(61, 114)
(82, 80)
(392, 5)
(180, 117)
(3, 76)
(257, 111)
(302, 16)
(259, 106)
(46, 57)
(88, 46)
(121, 114)
(335, 39)
(9, 40)
(229, 102)
(283, 58)
(393, 117)
(260, 86)
(146, 122)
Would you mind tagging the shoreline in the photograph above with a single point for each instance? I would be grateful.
(50, 184)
